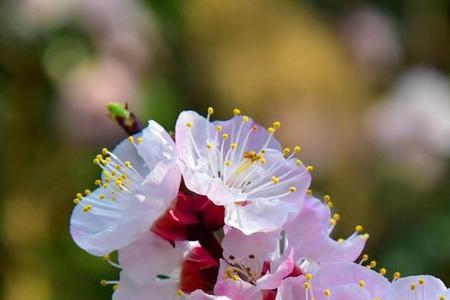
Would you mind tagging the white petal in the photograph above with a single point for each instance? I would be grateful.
(146, 258)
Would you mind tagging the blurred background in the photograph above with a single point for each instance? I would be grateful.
(363, 86)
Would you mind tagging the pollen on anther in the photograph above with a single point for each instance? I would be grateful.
(101, 196)
(236, 111)
(276, 125)
(131, 139)
(139, 140)
(210, 110)
(310, 168)
(225, 136)
(362, 283)
(87, 208)
(309, 276)
(271, 130)
(219, 128)
(128, 164)
(359, 228)
(228, 163)
(87, 192)
(297, 149)
(76, 201)
(245, 119)
(188, 124)
(233, 146)
(327, 293)
(275, 179)
(103, 282)
(292, 189)
(383, 271)
(105, 151)
(98, 182)
(286, 151)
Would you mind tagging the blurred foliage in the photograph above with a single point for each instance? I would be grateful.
(282, 60)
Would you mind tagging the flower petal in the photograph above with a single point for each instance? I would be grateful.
(308, 235)
(151, 257)
(431, 288)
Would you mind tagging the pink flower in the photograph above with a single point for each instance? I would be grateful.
(336, 281)
(309, 236)
(140, 179)
(240, 165)
(421, 287)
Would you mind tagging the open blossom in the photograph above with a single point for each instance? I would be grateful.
(140, 179)
(309, 235)
(240, 165)
(336, 281)
(240, 226)
(422, 287)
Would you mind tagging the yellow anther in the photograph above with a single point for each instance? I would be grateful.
(119, 182)
(188, 124)
(98, 182)
(87, 208)
(117, 167)
(225, 136)
(228, 163)
(245, 119)
(101, 196)
(96, 161)
(309, 192)
(275, 179)
(306, 285)
(233, 146)
(397, 275)
(362, 283)
(105, 151)
(383, 271)
(115, 287)
(310, 168)
(236, 111)
(365, 257)
(327, 293)
(359, 228)
(297, 149)
(412, 286)
(373, 264)
(87, 192)
(298, 162)
(276, 125)
(292, 189)
(105, 185)
(271, 130)
(263, 160)
(180, 293)
(139, 140)
(76, 201)
(99, 156)
(327, 198)
(128, 164)
(421, 281)
(79, 195)
(365, 236)
(308, 276)
(103, 282)
(441, 297)
(210, 110)
(219, 128)
(341, 241)
(332, 221)
(107, 160)
(131, 139)
(337, 217)
(286, 151)
(330, 204)
(209, 146)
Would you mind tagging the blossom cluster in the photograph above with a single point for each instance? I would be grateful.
(219, 210)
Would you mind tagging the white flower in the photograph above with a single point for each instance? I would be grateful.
(140, 179)
(240, 165)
